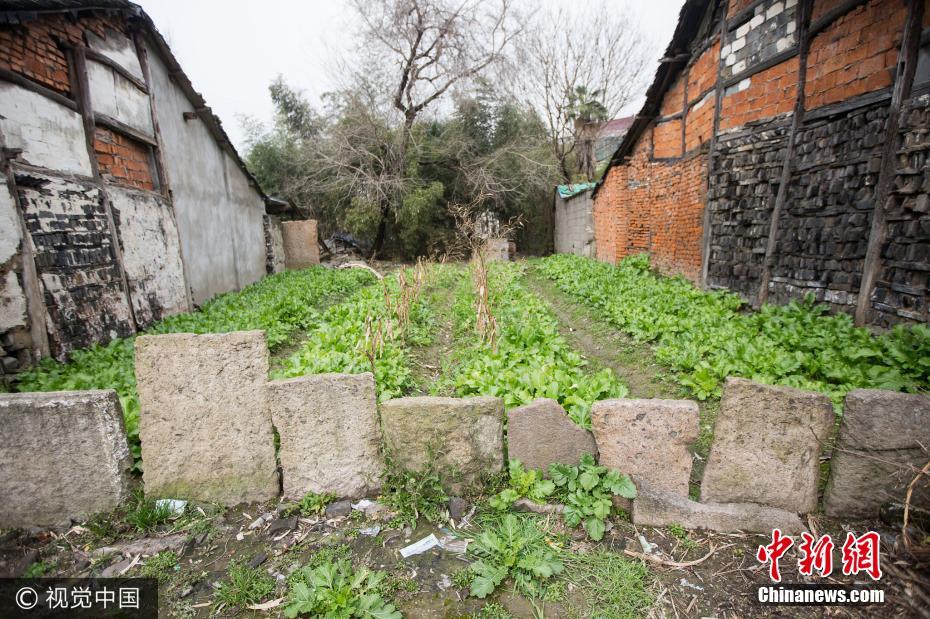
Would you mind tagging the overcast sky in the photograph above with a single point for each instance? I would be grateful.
(232, 50)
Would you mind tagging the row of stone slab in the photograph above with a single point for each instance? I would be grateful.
(208, 415)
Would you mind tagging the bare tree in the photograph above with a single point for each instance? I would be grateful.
(571, 51)
(419, 50)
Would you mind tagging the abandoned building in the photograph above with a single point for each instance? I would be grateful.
(782, 150)
(124, 200)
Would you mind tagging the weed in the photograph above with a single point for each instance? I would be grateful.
(681, 534)
(523, 483)
(462, 578)
(492, 610)
(413, 494)
(334, 589)
(516, 548)
(612, 586)
(37, 569)
(162, 566)
(312, 504)
(244, 585)
(145, 515)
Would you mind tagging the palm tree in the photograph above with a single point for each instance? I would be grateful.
(587, 112)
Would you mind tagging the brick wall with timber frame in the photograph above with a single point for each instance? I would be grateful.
(782, 152)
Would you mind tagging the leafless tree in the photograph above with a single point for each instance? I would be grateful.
(420, 49)
(571, 51)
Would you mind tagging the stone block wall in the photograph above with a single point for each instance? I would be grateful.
(300, 244)
(902, 290)
(742, 192)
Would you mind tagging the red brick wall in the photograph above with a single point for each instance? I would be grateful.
(699, 124)
(770, 92)
(655, 207)
(674, 98)
(123, 160)
(703, 73)
(856, 54)
(35, 49)
(666, 139)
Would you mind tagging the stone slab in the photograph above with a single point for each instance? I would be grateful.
(541, 433)
(884, 440)
(657, 508)
(462, 437)
(766, 449)
(204, 420)
(647, 439)
(300, 243)
(63, 456)
(330, 438)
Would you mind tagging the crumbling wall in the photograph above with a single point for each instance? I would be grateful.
(823, 230)
(83, 291)
(151, 253)
(274, 245)
(15, 340)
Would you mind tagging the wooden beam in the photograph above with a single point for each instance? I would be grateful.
(121, 127)
(904, 80)
(20, 80)
(32, 286)
(718, 99)
(85, 107)
(824, 21)
(684, 106)
(802, 15)
(118, 68)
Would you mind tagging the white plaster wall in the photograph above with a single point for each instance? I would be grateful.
(50, 135)
(219, 215)
(12, 298)
(118, 48)
(114, 95)
(151, 253)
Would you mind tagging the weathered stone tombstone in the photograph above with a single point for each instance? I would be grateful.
(463, 438)
(63, 455)
(300, 244)
(648, 440)
(766, 448)
(204, 421)
(541, 433)
(330, 439)
(884, 440)
(658, 508)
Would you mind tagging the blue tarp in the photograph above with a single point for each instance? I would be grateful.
(567, 191)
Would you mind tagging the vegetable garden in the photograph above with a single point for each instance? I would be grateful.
(504, 341)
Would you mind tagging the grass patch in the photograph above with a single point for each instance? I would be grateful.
(162, 567)
(146, 515)
(611, 585)
(244, 585)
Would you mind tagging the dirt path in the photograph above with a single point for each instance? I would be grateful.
(427, 361)
(631, 361)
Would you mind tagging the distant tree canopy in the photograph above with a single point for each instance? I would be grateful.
(332, 164)
(448, 102)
